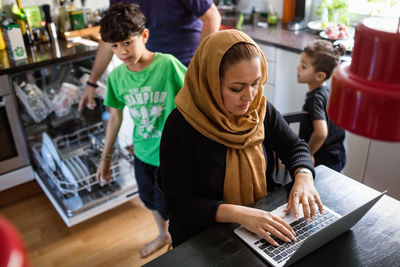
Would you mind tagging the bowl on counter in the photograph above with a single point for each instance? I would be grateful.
(339, 34)
(315, 26)
(348, 43)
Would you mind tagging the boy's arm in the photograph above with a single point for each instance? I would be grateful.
(103, 173)
(103, 57)
(318, 136)
(211, 21)
(113, 125)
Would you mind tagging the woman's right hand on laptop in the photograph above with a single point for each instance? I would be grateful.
(260, 222)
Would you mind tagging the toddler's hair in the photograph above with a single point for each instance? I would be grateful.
(121, 21)
(325, 56)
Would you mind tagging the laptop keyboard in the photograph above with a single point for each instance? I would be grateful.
(302, 230)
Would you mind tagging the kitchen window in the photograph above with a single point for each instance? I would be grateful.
(387, 8)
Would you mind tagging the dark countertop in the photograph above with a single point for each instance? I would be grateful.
(45, 54)
(373, 241)
(278, 36)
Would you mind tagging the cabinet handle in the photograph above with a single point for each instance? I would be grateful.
(2, 102)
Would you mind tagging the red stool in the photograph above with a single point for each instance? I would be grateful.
(12, 250)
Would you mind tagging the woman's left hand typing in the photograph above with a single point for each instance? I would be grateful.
(304, 192)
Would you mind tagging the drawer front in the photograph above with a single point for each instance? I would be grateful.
(269, 52)
(269, 92)
(271, 72)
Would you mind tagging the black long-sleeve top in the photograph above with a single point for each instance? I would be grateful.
(192, 169)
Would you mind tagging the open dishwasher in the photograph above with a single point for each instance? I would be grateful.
(64, 144)
(66, 171)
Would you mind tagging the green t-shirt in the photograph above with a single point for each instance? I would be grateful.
(150, 96)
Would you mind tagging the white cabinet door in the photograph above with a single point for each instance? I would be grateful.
(374, 163)
(356, 152)
(270, 54)
(383, 167)
(271, 72)
(269, 92)
(289, 95)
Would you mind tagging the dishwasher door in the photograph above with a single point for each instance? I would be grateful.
(83, 198)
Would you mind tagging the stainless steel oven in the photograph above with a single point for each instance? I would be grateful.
(14, 159)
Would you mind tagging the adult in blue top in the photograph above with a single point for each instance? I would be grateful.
(176, 27)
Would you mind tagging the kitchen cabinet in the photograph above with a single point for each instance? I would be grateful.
(64, 145)
(382, 169)
(374, 163)
(15, 167)
(289, 94)
(270, 54)
(357, 154)
(282, 88)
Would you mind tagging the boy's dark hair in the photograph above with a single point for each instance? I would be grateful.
(120, 21)
(325, 55)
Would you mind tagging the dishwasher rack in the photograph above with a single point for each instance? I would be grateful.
(84, 198)
(82, 143)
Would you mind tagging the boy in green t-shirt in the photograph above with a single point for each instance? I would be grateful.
(147, 83)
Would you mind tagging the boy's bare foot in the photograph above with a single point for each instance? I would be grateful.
(155, 245)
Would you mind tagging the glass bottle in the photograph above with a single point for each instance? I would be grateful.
(64, 21)
(22, 20)
(324, 18)
(272, 15)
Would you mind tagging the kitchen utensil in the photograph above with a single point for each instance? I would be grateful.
(316, 26)
(78, 171)
(84, 172)
(51, 147)
(325, 36)
(348, 43)
(47, 157)
(72, 169)
(74, 202)
(92, 168)
(83, 167)
(69, 177)
(50, 26)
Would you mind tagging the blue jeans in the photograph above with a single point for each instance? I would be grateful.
(149, 193)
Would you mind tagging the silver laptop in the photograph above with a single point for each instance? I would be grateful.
(310, 236)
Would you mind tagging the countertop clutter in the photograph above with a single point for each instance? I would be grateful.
(45, 54)
(281, 37)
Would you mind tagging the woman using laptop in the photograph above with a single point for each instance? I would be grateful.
(217, 148)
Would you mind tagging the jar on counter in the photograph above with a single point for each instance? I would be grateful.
(272, 15)
(288, 10)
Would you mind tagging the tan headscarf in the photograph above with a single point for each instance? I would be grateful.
(200, 103)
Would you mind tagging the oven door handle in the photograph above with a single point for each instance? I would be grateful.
(2, 101)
